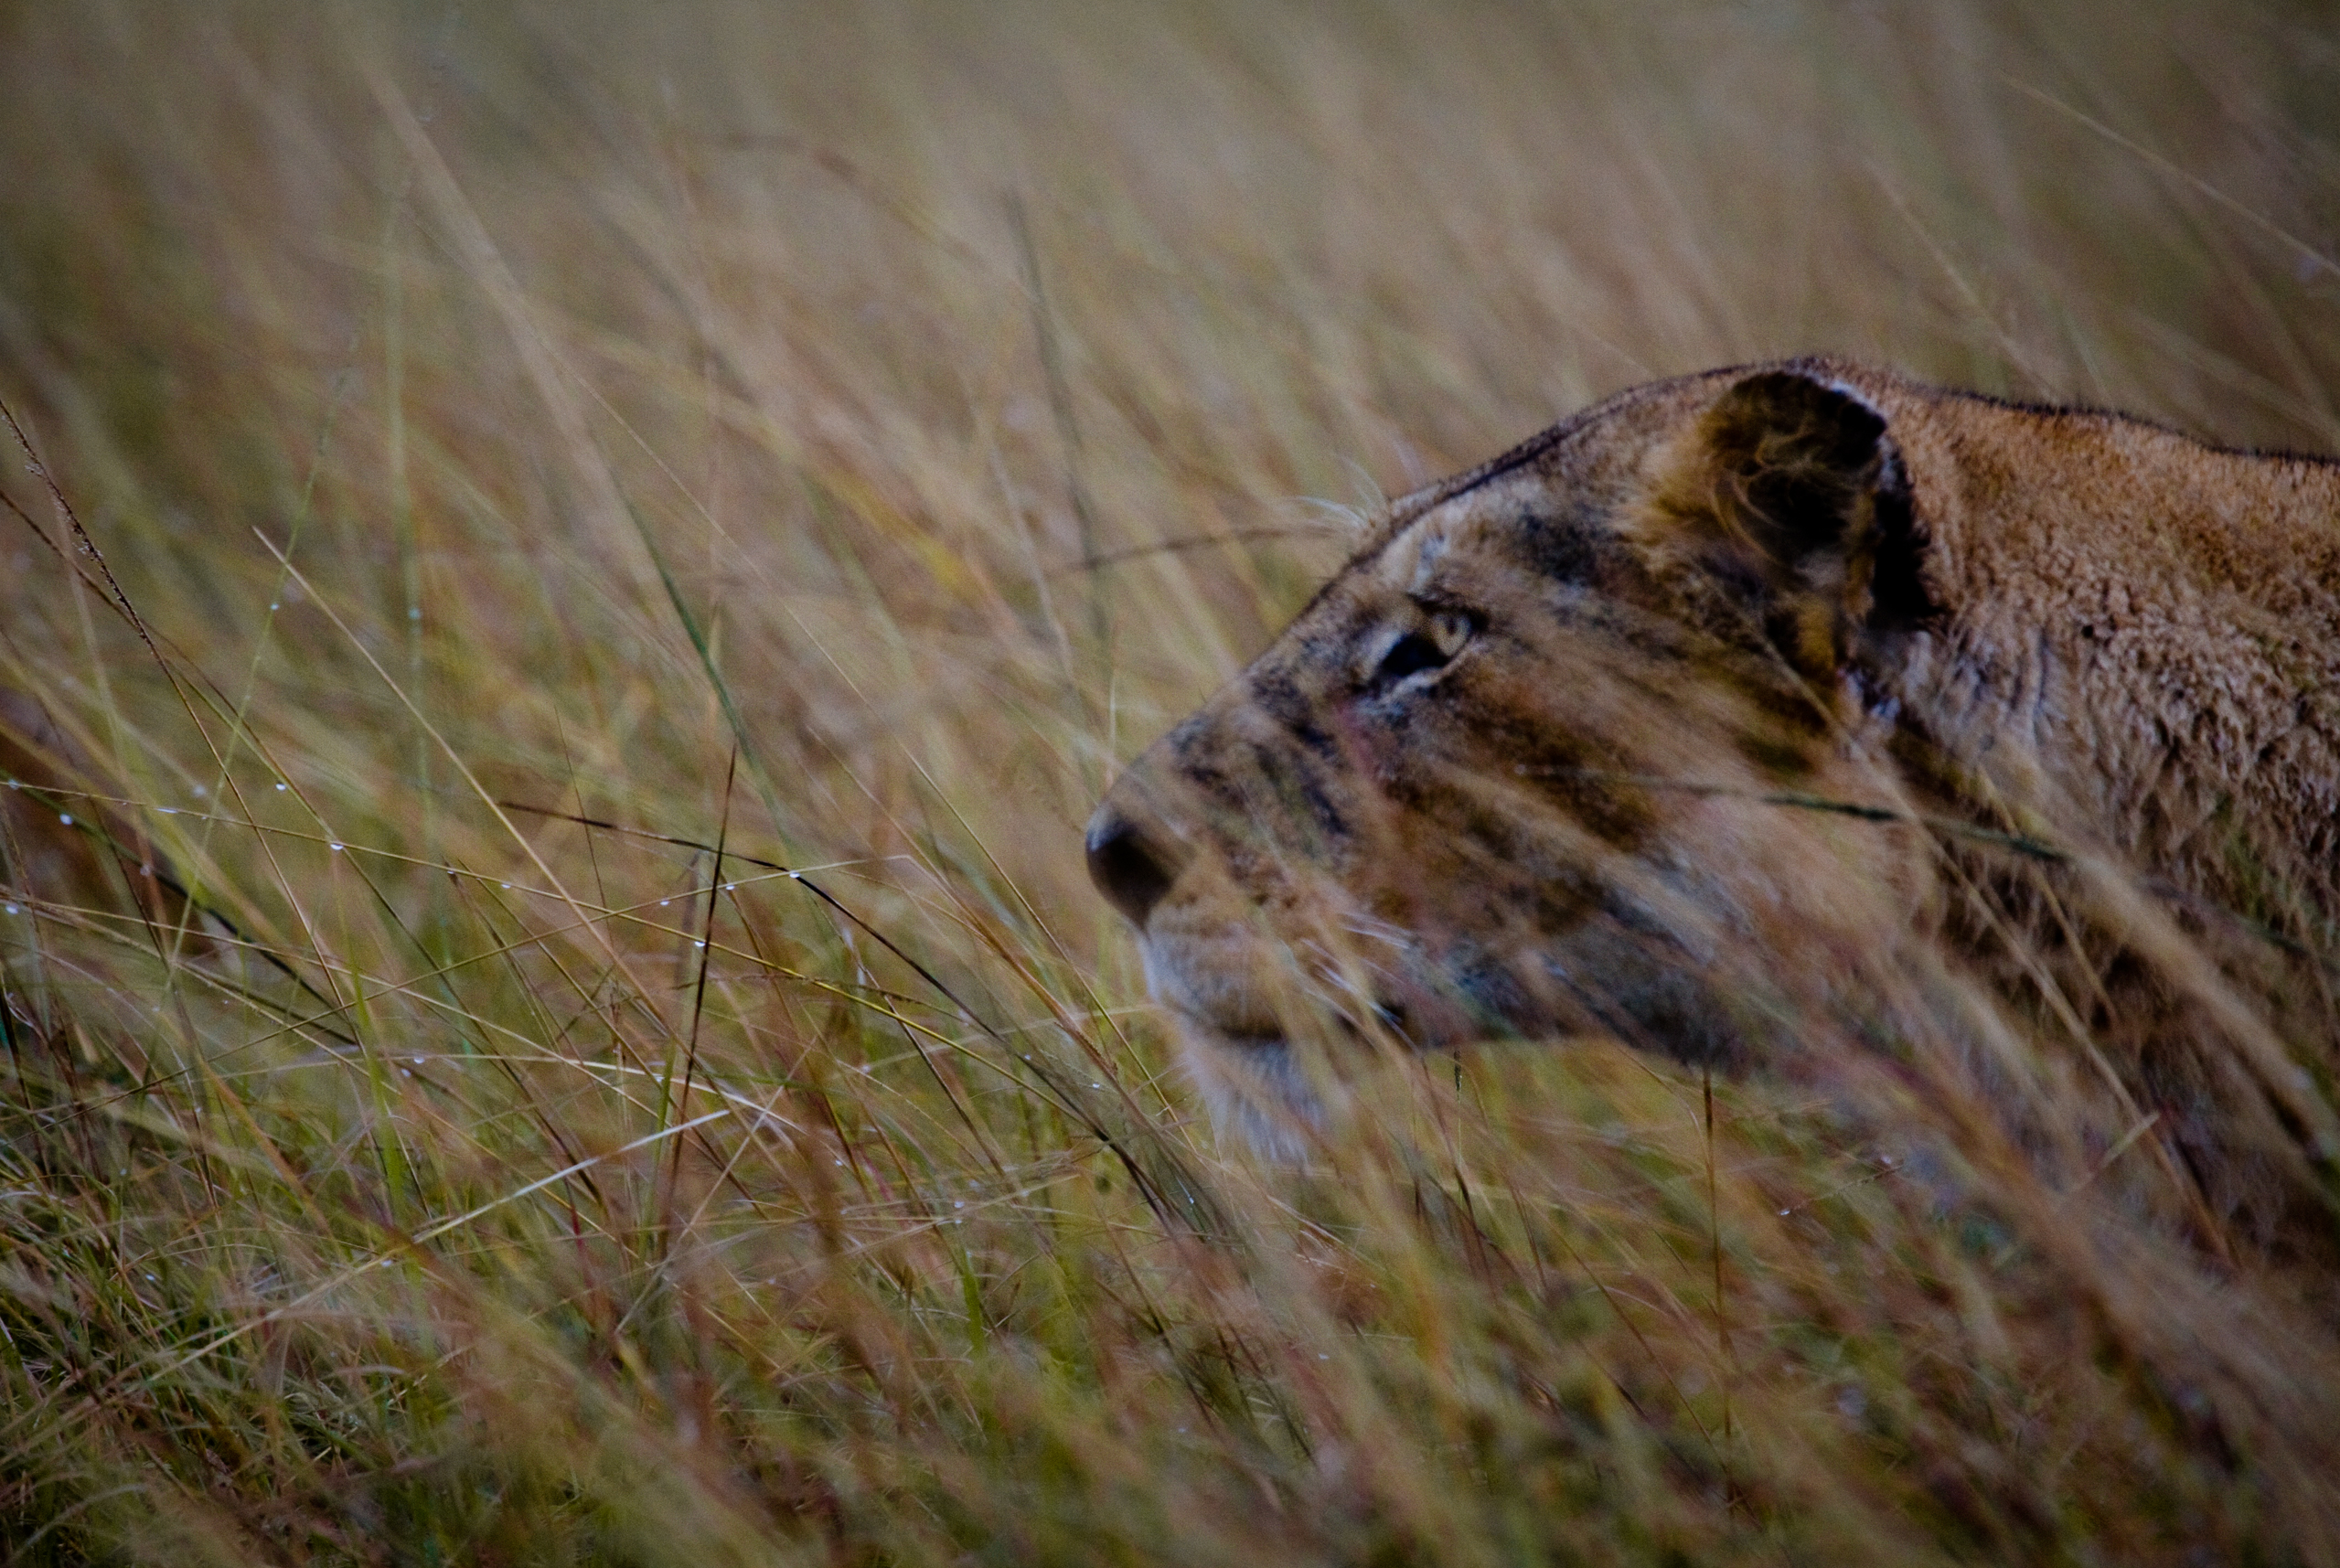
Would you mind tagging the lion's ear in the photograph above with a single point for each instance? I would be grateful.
(1791, 495)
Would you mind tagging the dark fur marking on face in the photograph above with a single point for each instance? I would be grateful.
(1329, 817)
(1558, 550)
(1320, 744)
(1515, 872)
(1202, 779)
(1772, 692)
(1282, 698)
(1289, 779)
(1782, 758)
(1593, 791)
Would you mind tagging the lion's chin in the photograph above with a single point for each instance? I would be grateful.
(1255, 1091)
(1237, 999)
(1232, 1043)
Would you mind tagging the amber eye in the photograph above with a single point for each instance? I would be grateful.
(1431, 646)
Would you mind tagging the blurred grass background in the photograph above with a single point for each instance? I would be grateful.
(622, 543)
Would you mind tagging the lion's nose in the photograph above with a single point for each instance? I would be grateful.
(1129, 865)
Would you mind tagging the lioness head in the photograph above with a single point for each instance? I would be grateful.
(1564, 734)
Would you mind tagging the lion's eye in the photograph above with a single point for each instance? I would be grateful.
(1410, 653)
(1433, 647)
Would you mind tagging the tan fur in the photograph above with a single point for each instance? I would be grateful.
(1794, 715)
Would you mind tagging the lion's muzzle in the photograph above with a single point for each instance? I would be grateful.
(1132, 864)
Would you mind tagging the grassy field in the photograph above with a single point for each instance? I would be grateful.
(612, 548)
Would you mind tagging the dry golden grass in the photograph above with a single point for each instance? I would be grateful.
(623, 543)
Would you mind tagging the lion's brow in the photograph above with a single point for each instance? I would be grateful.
(1409, 508)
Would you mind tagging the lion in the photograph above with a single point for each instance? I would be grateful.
(1792, 718)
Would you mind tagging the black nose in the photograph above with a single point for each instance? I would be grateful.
(1128, 870)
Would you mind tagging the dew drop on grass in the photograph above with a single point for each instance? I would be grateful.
(66, 817)
(281, 788)
(336, 848)
(11, 909)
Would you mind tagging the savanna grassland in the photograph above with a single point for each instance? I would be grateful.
(576, 570)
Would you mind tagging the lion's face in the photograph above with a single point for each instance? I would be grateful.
(1520, 767)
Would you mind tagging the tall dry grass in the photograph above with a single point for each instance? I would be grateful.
(610, 551)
